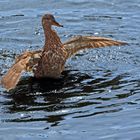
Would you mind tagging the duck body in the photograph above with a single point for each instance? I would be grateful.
(53, 57)
(51, 63)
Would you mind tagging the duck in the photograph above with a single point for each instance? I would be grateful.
(50, 60)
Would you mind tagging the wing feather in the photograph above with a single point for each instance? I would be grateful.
(83, 42)
(22, 63)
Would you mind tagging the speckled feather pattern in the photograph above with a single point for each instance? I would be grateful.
(53, 56)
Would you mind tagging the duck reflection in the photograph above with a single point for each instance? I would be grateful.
(53, 100)
(47, 95)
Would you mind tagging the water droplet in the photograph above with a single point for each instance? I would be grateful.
(22, 115)
(96, 33)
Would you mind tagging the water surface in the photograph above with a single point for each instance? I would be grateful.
(98, 97)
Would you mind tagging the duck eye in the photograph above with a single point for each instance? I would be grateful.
(47, 18)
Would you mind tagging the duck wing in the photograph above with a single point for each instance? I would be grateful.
(24, 62)
(78, 43)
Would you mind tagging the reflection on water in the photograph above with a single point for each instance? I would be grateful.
(73, 91)
(98, 93)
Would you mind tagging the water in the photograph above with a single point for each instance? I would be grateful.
(98, 98)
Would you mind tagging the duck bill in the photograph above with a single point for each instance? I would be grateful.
(55, 23)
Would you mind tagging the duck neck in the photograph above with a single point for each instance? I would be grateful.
(51, 37)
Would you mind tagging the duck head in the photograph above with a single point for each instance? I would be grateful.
(50, 20)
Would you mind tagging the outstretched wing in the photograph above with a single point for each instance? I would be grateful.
(24, 62)
(83, 42)
(27, 60)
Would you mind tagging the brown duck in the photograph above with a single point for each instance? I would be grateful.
(50, 61)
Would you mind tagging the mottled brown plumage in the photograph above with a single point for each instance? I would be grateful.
(53, 57)
(50, 61)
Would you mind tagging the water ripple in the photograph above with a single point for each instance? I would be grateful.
(97, 97)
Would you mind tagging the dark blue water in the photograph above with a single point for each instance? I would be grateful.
(99, 97)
